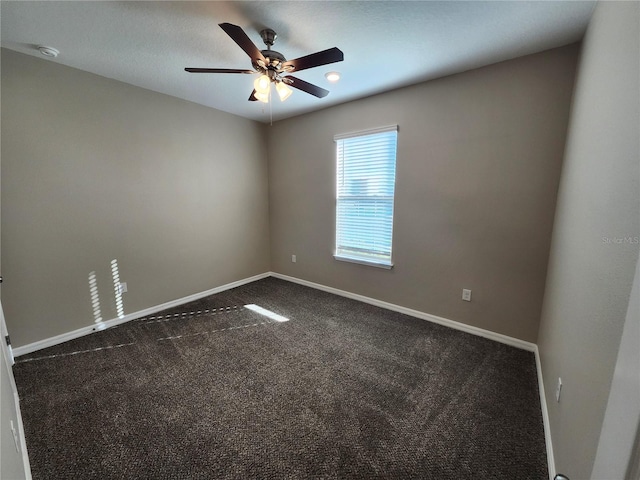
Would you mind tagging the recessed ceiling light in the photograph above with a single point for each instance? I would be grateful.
(48, 51)
(332, 76)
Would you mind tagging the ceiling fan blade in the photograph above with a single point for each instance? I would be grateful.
(252, 97)
(324, 57)
(244, 42)
(306, 86)
(217, 70)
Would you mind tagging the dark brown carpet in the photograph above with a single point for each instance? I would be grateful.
(341, 390)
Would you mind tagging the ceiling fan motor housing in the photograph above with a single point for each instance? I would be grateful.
(273, 62)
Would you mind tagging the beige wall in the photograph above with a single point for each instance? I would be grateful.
(621, 423)
(479, 159)
(95, 170)
(589, 279)
(11, 464)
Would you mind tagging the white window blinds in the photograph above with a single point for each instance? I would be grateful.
(366, 175)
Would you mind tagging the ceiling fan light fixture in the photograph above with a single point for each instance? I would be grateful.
(284, 92)
(262, 84)
(262, 96)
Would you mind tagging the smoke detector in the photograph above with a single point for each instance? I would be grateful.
(48, 51)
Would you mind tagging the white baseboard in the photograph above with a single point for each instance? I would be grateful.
(480, 332)
(514, 342)
(65, 337)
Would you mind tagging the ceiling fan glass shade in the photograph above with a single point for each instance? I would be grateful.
(284, 92)
(262, 97)
(262, 84)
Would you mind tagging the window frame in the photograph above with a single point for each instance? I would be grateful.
(385, 263)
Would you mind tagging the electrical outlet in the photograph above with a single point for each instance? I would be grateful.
(293, 259)
(558, 389)
(466, 295)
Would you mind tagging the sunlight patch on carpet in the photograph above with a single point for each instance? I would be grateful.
(267, 313)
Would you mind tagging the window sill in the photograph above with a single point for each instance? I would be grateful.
(371, 263)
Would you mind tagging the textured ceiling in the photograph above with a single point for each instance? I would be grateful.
(386, 44)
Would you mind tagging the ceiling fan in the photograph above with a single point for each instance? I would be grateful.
(273, 66)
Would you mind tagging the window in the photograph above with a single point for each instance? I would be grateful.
(366, 177)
